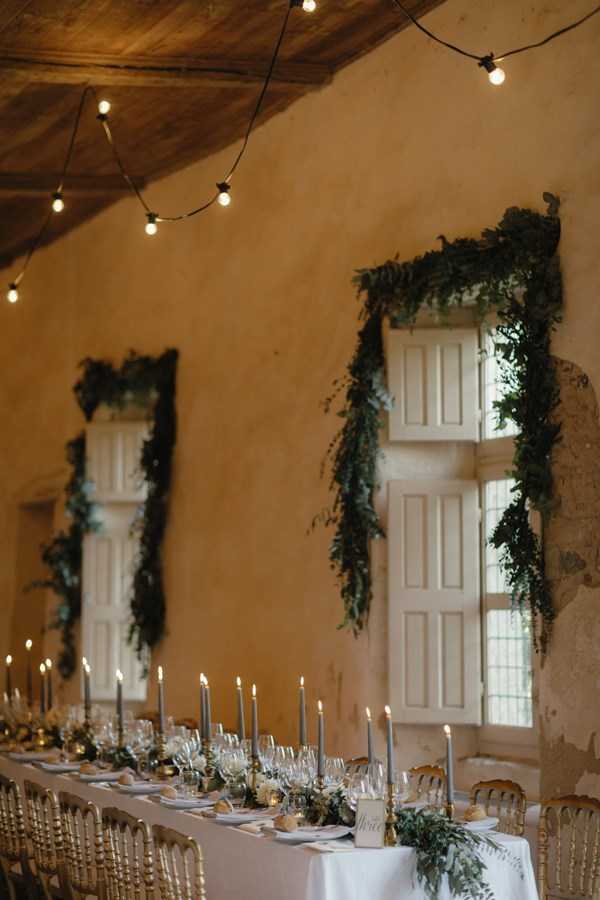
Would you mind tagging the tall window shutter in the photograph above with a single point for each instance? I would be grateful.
(113, 453)
(434, 612)
(433, 377)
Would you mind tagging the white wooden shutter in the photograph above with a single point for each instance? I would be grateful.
(433, 378)
(113, 451)
(434, 613)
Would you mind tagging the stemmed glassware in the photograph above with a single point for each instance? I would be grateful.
(266, 749)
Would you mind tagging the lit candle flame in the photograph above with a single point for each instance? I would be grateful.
(368, 712)
(48, 663)
(239, 681)
(254, 690)
(28, 644)
(87, 669)
(8, 660)
(447, 730)
(160, 673)
(202, 678)
(388, 712)
(302, 681)
(84, 661)
(119, 675)
(320, 705)
(42, 668)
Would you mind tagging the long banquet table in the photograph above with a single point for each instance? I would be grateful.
(243, 866)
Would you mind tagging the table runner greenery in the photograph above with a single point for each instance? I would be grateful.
(512, 270)
(148, 382)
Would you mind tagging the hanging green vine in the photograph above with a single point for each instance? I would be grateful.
(150, 383)
(513, 270)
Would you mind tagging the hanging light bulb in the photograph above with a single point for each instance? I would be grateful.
(309, 5)
(224, 197)
(151, 226)
(13, 294)
(496, 75)
(58, 204)
(104, 107)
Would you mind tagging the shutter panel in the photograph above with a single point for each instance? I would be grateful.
(433, 378)
(113, 452)
(113, 461)
(434, 610)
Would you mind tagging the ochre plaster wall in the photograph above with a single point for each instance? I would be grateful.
(407, 143)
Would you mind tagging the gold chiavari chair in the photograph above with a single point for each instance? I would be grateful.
(14, 853)
(504, 799)
(357, 766)
(129, 860)
(43, 819)
(83, 871)
(429, 783)
(569, 848)
(179, 866)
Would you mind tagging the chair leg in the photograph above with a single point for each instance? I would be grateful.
(9, 882)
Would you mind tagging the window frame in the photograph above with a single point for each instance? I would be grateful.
(493, 462)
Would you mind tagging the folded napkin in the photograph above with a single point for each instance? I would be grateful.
(252, 828)
(329, 847)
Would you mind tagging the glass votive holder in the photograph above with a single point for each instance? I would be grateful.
(189, 780)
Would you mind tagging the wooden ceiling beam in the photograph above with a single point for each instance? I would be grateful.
(42, 184)
(82, 68)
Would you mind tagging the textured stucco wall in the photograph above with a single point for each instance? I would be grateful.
(408, 143)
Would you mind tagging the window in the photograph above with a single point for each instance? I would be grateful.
(507, 636)
(457, 651)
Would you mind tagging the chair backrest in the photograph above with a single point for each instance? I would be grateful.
(43, 817)
(179, 865)
(82, 846)
(504, 799)
(429, 783)
(128, 856)
(569, 848)
(13, 844)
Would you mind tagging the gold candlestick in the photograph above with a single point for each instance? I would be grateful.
(390, 820)
(255, 769)
(163, 772)
(320, 781)
(449, 810)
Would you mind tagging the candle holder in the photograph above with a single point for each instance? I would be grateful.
(254, 770)
(163, 771)
(320, 783)
(449, 810)
(390, 819)
(42, 739)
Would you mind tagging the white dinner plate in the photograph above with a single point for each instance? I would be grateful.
(102, 775)
(310, 834)
(60, 767)
(482, 825)
(140, 787)
(186, 803)
(30, 756)
(247, 815)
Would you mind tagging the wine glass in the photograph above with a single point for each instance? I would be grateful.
(335, 769)
(358, 787)
(401, 788)
(376, 779)
(266, 748)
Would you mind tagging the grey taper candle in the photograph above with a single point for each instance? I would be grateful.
(449, 767)
(254, 723)
(369, 737)
(240, 710)
(321, 743)
(390, 746)
(302, 716)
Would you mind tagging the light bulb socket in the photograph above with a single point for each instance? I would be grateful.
(223, 187)
(151, 218)
(487, 63)
(12, 286)
(102, 117)
(294, 3)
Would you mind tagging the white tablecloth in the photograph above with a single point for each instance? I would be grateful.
(242, 866)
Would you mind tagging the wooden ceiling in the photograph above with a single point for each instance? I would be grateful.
(182, 76)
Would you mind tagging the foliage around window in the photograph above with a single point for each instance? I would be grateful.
(150, 383)
(512, 270)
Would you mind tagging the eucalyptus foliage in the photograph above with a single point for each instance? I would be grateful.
(512, 270)
(149, 382)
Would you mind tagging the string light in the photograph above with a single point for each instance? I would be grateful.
(224, 197)
(151, 226)
(58, 204)
(496, 77)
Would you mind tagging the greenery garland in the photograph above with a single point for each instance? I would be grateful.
(443, 847)
(513, 270)
(148, 382)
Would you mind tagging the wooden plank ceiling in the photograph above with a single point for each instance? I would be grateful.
(182, 76)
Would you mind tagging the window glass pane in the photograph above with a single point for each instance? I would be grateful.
(497, 496)
(509, 700)
(492, 390)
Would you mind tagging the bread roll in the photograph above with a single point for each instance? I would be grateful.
(126, 778)
(223, 806)
(88, 769)
(475, 813)
(285, 823)
(168, 792)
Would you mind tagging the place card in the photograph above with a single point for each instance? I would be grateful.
(370, 823)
